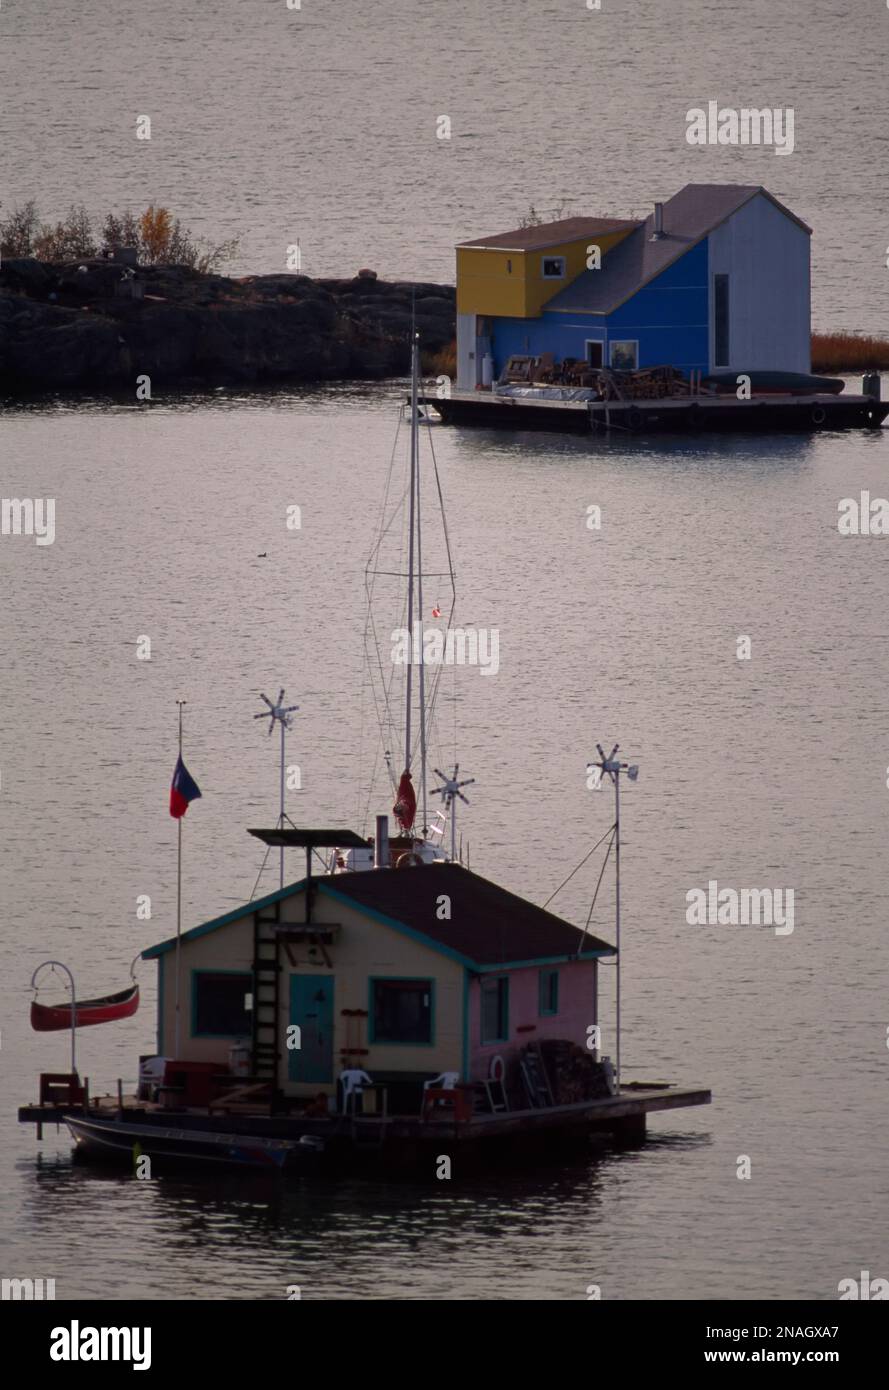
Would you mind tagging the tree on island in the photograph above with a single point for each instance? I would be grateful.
(159, 238)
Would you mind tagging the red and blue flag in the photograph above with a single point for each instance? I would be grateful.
(183, 790)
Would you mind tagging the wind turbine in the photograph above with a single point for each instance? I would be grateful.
(614, 767)
(278, 713)
(449, 793)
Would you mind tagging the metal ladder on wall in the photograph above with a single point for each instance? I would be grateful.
(266, 996)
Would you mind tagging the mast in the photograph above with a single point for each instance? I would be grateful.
(614, 767)
(415, 425)
(410, 568)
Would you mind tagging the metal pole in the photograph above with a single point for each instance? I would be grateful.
(281, 820)
(454, 831)
(178, 1031)
(616, 776)
(73, 1004)
(410, 579)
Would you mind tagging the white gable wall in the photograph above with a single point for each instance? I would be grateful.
(767, 258)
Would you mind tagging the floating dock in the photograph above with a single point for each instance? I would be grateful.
(346, 1138)
(766, 414)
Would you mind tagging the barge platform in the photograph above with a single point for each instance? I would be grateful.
(108, 1129)
(766, 414)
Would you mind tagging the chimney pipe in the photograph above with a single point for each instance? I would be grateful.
(381, 844)
(658, 233)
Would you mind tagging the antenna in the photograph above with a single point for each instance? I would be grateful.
(449, 793)
(614, 767)
(278, 713)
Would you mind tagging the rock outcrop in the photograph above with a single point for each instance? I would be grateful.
(95, 325)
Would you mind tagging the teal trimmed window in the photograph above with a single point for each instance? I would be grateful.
(219, 1004)
(495, 1009)
(401, 1011)
(548, 993)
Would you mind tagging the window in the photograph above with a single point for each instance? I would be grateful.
(553, 267)
(401, 1011)
(219, 1004)
(624, 356)
(495, 1009)
(548, 993)
(594, 353)
(720, 321)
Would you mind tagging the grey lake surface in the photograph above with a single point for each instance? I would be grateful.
(768, 772)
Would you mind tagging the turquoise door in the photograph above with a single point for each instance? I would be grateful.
(311, 1009)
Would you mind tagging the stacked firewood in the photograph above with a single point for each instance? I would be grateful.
(573, 1073)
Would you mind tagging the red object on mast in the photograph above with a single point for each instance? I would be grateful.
(405, 808)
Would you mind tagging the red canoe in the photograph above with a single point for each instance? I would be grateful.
(49, 1018)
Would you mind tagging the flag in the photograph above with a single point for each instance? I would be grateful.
(183, 790)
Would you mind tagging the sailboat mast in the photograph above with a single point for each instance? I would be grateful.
(410, 568)
(422, 673)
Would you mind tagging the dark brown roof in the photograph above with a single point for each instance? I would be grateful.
(488, 925)
(689, 216)
(549, 233)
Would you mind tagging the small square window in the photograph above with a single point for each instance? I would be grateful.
(624, 356)
(553, 267)
(219, 1004)
(401, 1011)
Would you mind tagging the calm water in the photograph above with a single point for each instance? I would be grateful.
(767, 772)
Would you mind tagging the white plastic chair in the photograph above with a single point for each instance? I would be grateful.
(353, 1080)
(446, 1082)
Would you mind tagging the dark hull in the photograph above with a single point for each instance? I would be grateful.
(766, 415)
(122, 1142)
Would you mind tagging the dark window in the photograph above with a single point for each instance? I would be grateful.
(553, 267)
(219, 1004)
(495, 1010)
(720, 321)
(594, 354)
(402, 1011)
(624, 355)
(548, 992)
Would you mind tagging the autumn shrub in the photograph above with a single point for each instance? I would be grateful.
(159, 237)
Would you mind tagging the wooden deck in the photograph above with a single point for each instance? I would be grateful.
(625, 1113)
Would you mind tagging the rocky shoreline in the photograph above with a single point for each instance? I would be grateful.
(100, 325)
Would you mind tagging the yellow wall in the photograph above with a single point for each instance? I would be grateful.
(363, 949)
(486, 285)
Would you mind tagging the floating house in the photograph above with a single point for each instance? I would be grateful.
(714, 280)
(403, 975)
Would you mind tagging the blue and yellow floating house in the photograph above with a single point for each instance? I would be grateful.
(715, 279)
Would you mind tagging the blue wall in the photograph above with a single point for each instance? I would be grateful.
(670, 318)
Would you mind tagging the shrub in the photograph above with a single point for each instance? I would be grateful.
(159, 238)
(848, 352)
(441, 363)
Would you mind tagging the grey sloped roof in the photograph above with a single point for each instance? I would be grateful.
(536, 238)
(689, 216)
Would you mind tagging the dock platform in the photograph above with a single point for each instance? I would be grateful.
(765, 414)
(623, 1116)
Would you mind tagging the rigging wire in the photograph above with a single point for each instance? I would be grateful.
(610, 831)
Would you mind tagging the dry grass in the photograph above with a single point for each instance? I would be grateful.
(847, 352)
(441, 363)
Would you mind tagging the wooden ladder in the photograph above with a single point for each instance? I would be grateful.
(266, 996)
